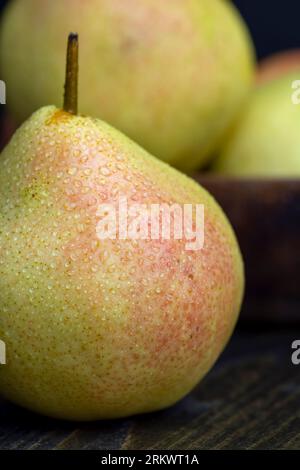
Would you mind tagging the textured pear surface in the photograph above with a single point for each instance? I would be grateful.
(171, 75)
(101, 329)
(266, 141)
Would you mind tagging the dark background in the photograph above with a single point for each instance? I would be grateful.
(274, 25)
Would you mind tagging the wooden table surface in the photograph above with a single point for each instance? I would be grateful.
(250, 400)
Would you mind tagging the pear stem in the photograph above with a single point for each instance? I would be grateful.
(71, 84)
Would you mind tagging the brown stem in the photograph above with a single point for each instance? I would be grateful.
(71, 84)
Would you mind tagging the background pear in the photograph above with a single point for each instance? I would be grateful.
(103, 329)
(173, 76)
(266, 142)
(277, 65)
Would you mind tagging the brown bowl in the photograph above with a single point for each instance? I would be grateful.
(265, 214)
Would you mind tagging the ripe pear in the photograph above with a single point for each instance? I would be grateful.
(108, 328)
(266, 142)
(172, 76)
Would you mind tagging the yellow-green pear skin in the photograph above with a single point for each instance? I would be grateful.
(96, 328)
(266, 142)
(172, 75)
